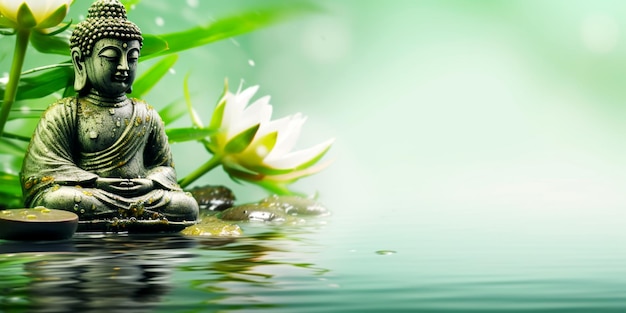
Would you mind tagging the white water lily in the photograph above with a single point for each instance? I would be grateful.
(33, 14)
(26, 17)
(252, 147)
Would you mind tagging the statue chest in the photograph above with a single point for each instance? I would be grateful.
(102, 127)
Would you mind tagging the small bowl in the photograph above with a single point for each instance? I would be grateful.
(37, 224)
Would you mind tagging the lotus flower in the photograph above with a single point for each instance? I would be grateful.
(24, 16)
(32, 14)
(252, 147)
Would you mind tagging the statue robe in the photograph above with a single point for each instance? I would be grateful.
(53, 161)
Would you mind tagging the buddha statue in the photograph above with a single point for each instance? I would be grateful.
(101, 154)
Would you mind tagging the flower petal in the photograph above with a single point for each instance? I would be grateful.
(301, 158)
(292, 176)
(9, 9)
(259, 112)
(235, 105)
(288, 135)
(54, 18)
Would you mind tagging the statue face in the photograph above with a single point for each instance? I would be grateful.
(111, 67)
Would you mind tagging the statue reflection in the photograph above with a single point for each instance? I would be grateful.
(109, 274)
(125, 273)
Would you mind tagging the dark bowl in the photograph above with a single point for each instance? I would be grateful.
(37, 224)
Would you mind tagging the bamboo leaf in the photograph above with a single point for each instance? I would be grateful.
(195, 119)
(12, 148)
(153, 75)
(43, 83)
(188, 134)
(18, 114)
(173, 111)
(152, 45)
(231, 26)
(59, 44)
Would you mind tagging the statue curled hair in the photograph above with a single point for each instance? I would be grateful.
(106, 19)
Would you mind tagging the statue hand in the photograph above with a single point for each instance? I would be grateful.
(124, 186)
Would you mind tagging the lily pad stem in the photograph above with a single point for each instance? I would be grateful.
(21, 43)
(203, 169)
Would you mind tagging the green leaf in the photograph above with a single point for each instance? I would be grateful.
(31, 113)
(218, 115)
(59, 44)
(25, 18)
(10, 147)
(7, 23)
(153, 75)
(17, 137)
(173, 111)
(58, 30)
(242, 140)
(195, 119)
(218, 112)
(188, 134)
(10, 190)
(278, 188)
(43, 83)
(232, 26)
(152, 45)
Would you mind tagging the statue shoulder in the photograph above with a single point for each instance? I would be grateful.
(150, 110)
(64, 104)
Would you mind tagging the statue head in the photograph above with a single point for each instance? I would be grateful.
(105, 48)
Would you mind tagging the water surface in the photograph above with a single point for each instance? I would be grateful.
(328, 265)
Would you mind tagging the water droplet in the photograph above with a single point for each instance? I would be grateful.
(93, 134)
(159, 21)
(111, 111)
(172, 71)
(386, 252)
(251, 62)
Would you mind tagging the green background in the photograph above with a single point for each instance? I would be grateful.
(503, 105)
(478, 165)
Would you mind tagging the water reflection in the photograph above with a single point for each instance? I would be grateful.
(247, 273)
(122, 273)
(111, 273)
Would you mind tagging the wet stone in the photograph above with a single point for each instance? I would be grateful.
(213, 198)
(289, 209)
